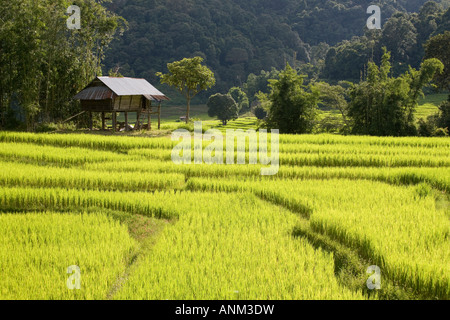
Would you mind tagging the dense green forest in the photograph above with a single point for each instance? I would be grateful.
(43, 64)
(237, 38)
(403, 34)
(246, 45)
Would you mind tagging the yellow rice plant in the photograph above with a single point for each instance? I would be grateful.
(233, 247)
(60, 156)
(17, 174)
(323, 159)
(397, 227)
(150, 204)
(36, 250)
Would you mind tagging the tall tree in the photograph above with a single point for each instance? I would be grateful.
(224, 107)
(259, 83)
(439, 47)
(189, 77)
(334, 97)
(400, 37)
(444, 114)
(293, 106)
(43, 64)
(241, 99)
(384, 106)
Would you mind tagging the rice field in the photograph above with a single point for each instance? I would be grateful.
(139, 226)
(37, 248)
(429, 105)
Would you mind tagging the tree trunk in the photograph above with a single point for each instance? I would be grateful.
(188, 109)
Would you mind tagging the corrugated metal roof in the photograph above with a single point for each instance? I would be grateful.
(120, 87)
(132, 87)
(95, 93)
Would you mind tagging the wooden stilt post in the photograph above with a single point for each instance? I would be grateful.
(150, 118)
(103, 122)
(91, 121)
(126, 121)
(137, 122)
(159, 116)
(114, 121)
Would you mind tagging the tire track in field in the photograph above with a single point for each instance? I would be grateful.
(146, 231)
(350, 263)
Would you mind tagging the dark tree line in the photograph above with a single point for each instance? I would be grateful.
(404, 35)
(43, 64)
(237, 38)
(383, 105)
(380, 104)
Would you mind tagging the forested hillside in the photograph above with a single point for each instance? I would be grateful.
(403, 34)
(237, 38)
(43, 64)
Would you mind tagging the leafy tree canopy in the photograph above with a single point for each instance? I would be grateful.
(223, 107)
(404, 35)
(237, 38)
(189, 77)
(293, 106)
(383, 105)
(241, 99)
(43, 64)
(439, 47)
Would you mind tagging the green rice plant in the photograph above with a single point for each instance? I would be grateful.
(429, 105)
(36, 250)
(436, 177)
(17, 174)
(328, 139)
(331, 160)
(150, 204)
(190, 207)
(233, 247)
(322, 160)
(152, 165)
(112, 143)
(60, 156)
(241, 123)
(397, 227)
(107, 143)
(229, 244)
(349, 149)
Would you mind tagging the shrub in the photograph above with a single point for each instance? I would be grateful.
(46, 127)
(223, 107)
(441, 132)
(260, 113)
(425, 128)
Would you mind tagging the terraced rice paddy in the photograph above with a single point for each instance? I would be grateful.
(141, 227)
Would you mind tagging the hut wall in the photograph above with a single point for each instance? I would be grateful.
(97, 105)
(119, 104)
(128, 103)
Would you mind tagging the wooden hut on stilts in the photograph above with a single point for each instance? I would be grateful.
(113, 95)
